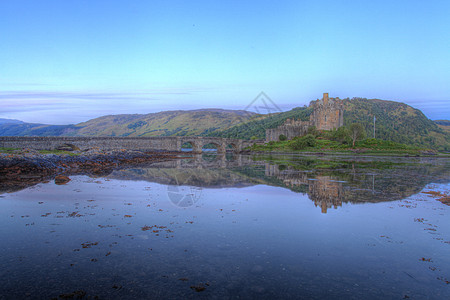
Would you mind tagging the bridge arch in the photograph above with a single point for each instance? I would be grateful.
(231, 146)
(215, 145)
(196, 145)
(222, 145)
(186, 145)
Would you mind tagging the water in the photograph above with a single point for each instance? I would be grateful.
(233, 227)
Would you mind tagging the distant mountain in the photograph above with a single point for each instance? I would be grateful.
(443, 124)
(9, 121)
(166, 123)
(33, 129)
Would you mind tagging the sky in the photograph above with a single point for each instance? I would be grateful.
(70, 61)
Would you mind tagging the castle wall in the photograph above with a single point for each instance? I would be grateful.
(328, 113)
(296, 128)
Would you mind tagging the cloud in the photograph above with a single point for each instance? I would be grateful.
(72, 107)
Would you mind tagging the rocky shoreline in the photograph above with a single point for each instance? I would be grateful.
(28, 167)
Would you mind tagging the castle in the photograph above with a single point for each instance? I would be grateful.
(328, 113)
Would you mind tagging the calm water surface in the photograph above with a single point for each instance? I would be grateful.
(233, 227)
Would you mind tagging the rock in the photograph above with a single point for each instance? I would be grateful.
(60, 179)
(198, 288)
(67, 147)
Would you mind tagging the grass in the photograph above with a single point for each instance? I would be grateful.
(330, 163)
(321, 144)
(7, 150)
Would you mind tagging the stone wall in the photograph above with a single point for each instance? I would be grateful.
(104, 143)
(290, 129)
(129, 143)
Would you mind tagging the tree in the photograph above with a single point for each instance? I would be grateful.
(282, 137)
(357, 132)
(342, 135)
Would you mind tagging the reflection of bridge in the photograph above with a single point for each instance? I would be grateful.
(169, 143)
(221, 144)
(207, 161)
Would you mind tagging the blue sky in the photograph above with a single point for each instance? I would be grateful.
(69, 61)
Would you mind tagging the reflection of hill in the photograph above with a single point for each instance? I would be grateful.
(212, 171)
(354, 181)
(345, 180)
(212, 178)
(361, 181)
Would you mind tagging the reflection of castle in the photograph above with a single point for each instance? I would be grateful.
(325, 191)
(328, 113)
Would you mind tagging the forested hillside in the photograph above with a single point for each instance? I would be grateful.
(396, 122)
(166, 123)
(256, 128)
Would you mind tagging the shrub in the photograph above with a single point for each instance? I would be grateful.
(313, 130)
(342, 135)
(301, 143)
(282, 137)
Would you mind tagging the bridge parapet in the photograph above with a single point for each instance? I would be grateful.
(130, 143)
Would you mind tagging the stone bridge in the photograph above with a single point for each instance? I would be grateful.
(129, 143)
(221, 144)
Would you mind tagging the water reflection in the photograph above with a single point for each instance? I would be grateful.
(329, 182)
(232, 227)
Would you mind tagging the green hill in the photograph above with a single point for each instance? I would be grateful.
(166, 123)
(397, 122)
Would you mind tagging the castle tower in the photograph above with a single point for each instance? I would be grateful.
(328, 113)
(325, 99)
